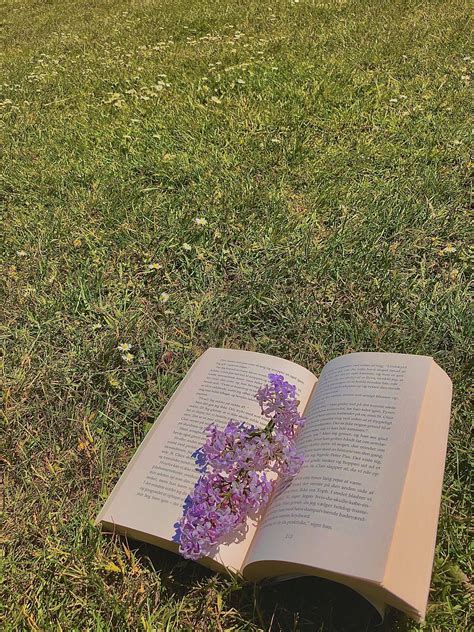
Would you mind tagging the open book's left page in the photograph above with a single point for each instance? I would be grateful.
(148, 499)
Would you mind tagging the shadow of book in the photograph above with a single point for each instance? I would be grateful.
(300, 604)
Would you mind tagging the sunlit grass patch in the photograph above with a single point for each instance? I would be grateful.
(287, 177)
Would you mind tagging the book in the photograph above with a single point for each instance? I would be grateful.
(364, 508)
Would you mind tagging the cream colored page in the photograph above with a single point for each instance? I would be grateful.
(410, 561)
(339, 512)
(221, 385)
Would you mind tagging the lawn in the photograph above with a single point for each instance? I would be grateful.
(326, 144)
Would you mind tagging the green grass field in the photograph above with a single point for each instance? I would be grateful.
(327, 146)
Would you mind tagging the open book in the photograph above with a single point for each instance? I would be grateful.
(363, 510)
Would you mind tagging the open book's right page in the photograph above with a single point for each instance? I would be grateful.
(340, 512)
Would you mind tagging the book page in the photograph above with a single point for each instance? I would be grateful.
(148, 499)
(340, 511)
(410, 561)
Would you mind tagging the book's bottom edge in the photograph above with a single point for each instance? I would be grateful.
(372, 590)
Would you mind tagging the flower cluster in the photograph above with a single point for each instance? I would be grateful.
(240, 466)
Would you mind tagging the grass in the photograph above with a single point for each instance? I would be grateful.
(326, 144)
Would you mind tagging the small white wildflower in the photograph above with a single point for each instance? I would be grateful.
(200, 221)
(124, 346)
(164, 297)
(449, 249)
(187, 247)
(154, 266)
(22, 253)
(128, 357)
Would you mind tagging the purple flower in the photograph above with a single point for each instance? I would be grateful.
(235, 463)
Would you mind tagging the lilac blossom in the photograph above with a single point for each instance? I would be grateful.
(240, 466)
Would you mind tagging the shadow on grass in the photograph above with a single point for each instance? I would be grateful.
(306, 603)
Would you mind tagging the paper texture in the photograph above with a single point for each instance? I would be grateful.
(357, 441)
(410, 559)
